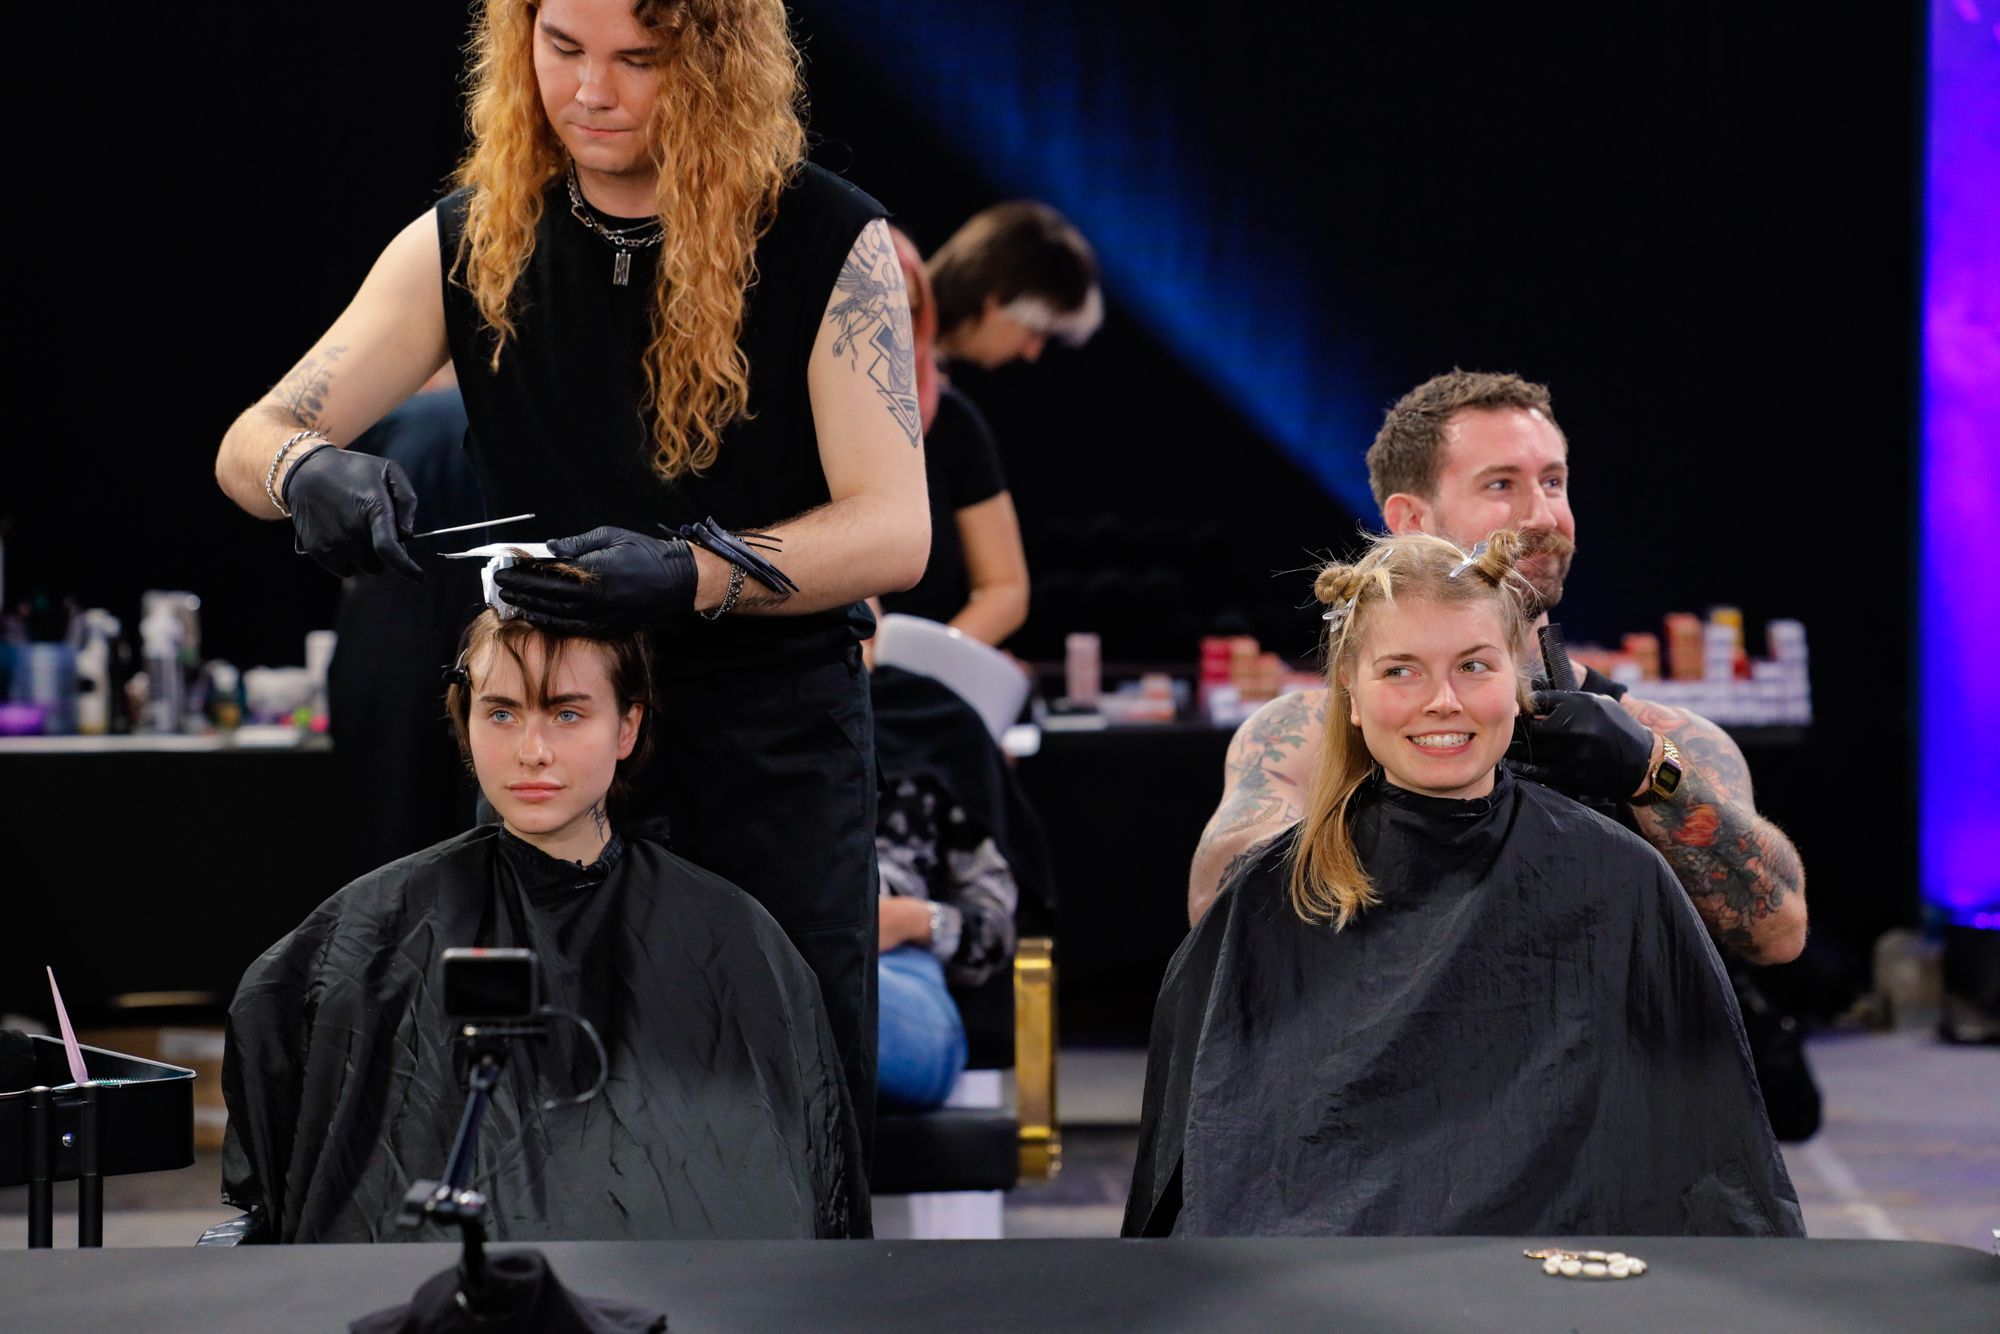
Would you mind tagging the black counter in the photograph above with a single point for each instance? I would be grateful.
(1813, 1287)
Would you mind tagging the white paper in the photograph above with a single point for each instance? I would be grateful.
(498, 556)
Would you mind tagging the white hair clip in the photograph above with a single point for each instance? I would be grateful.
(1471, 559)
(1336, 615)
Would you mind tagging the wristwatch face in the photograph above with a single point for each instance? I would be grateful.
(1667, 778)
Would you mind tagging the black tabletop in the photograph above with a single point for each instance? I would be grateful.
(1814, 1287)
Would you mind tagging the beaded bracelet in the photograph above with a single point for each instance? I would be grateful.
(278, 459)
(1559, 1263)
(729, 598)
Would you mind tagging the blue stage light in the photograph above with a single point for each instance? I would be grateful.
(1050, 101)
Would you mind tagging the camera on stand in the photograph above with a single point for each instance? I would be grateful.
(493, 997)
(492, 987)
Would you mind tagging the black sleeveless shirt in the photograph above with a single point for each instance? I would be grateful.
(557, 430)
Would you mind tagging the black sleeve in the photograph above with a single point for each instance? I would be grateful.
(960, 444)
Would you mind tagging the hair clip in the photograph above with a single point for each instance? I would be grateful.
(1336, 615)
(456, 675)
(1471, 559)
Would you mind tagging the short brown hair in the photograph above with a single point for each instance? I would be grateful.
(1408, 453)
(1020, 248)
(628, 661)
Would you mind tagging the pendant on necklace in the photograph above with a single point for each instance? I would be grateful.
(621, 268)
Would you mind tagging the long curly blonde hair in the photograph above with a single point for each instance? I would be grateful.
(726, 135)
(1328, 882)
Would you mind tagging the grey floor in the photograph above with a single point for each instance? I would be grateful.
(1910, 1150)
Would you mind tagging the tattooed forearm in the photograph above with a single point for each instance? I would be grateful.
(1740, 871)
(1264, 781)
(301, 395)
(870, 317)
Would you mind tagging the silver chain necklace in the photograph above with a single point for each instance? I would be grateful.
(625, 239)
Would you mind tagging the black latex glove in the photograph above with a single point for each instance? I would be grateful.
(1582, 744)
(638, 581)
(353, 512)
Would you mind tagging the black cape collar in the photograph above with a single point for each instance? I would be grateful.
(537, 871)
(1425, 809)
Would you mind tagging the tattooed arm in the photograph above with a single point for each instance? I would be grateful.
(874, 536)
(388, 341)
(1742, 873)
(1263, 792)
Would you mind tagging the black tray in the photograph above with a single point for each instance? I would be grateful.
(146, 1125)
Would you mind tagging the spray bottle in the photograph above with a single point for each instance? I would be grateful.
(160, 634)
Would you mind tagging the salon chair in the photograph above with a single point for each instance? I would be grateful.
(952, 1163)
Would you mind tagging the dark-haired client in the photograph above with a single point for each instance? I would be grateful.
(1449, 1001)
(724, 1112)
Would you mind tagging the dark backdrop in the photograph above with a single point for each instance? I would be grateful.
(1695, 221)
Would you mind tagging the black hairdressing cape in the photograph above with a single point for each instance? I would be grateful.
(1529, 1035)
(725, 1114)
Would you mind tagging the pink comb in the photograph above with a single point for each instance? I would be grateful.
(75, 1053)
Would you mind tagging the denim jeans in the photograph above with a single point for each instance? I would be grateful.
(922, 1038)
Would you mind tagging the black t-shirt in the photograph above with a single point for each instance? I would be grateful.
(962, 468)
(557, 429)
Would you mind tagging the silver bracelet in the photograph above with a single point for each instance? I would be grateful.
(271, 474)
(729, 598)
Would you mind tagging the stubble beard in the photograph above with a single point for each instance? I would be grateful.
(1544, 562)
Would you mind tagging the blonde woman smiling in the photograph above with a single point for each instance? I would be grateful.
(1452, 1001)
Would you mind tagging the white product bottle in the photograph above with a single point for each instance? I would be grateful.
(93, 672)
(160, 638)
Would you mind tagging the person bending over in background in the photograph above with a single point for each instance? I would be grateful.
(1011, 278)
